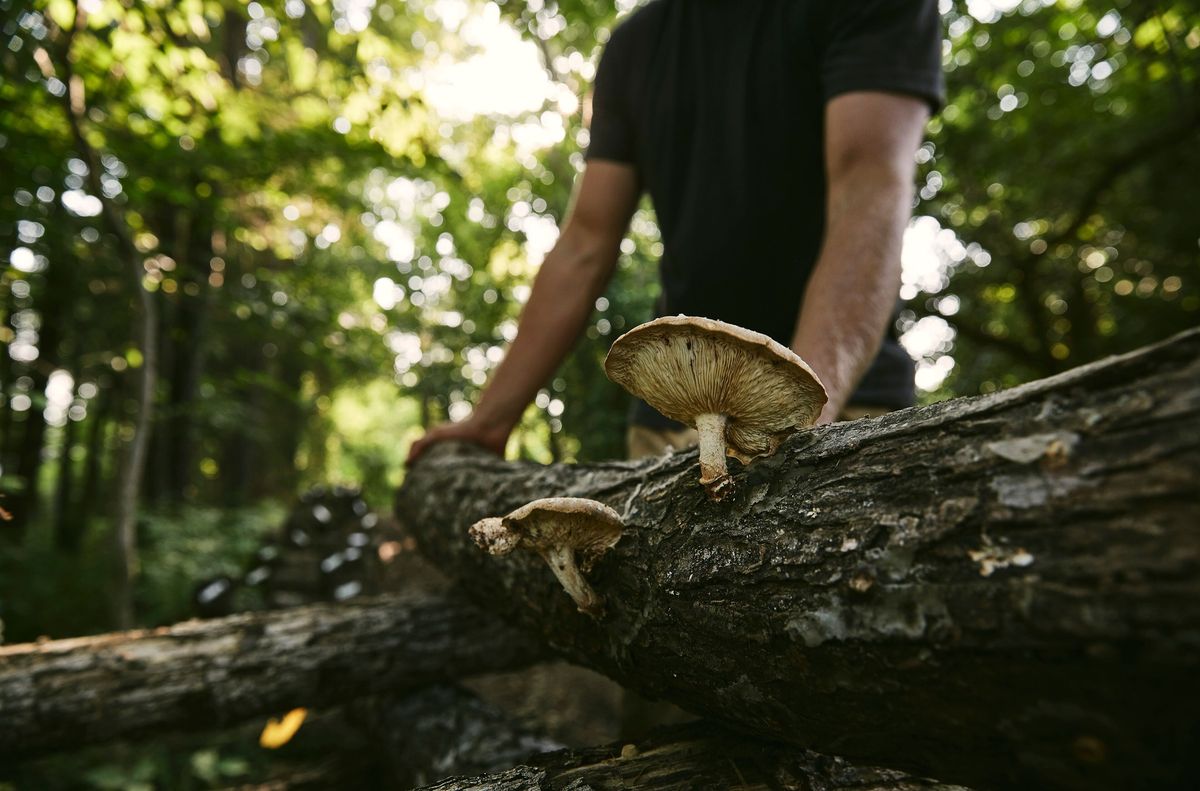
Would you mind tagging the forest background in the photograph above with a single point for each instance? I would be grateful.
(315, 222)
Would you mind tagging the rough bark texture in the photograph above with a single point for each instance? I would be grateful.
(444, 730)
(1002, 591)
(691, 758)
(205, 674)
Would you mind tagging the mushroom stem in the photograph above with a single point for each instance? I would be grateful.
(713, 474)
(562, 562)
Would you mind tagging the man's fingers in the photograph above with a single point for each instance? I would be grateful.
(416, 449)
(455, 431)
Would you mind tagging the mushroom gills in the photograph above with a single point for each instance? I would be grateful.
(743, 391)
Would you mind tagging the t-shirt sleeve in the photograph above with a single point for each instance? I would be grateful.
(884, 45)
(611, 130)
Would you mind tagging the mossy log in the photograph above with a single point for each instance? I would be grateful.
(697, 757)
(200, 675)
(1002, 591)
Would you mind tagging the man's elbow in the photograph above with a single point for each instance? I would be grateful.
(873, 133)
(872, 171)
(586, 251)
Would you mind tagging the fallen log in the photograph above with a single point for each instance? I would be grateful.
(692, 757)
(199, 675)
(442, 730)
(1002, 591)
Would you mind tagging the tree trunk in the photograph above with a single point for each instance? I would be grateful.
(133, 462)
(7, 381)
(206, 674)
(688, 758)
(1002, 591)
(145, 331)
(186, 387)
(193, 245)
(65, 483)
(159, 441)
(89, 504)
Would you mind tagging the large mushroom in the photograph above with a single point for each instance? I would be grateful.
(570, 533)
(742, 391)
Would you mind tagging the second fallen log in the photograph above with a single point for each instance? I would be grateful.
(65, 694)
(695, 757)
(1002, 591)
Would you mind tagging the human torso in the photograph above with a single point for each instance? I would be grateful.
(726, 106)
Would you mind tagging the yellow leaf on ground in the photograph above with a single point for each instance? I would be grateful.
(277, 733)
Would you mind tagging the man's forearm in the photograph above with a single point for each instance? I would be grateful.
(573, 275)
(852, 290)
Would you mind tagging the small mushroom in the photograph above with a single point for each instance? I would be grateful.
(570, 533)
(741, 390)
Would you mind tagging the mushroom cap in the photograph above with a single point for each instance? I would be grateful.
(686, 366)
(588, 527)
(492, 535)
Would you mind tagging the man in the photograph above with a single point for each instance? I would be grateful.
(776, 139)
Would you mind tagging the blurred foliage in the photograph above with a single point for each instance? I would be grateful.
(182, 547)
(178, 549)
(1062, 174)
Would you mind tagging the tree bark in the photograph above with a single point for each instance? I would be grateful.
(64, 484)
(1002, 591)
(7, 379)
(696, 757)
(195, 312)
(89, 504)
(206, 674)
(443, 730)
(72, 525)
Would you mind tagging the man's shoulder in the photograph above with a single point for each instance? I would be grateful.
(659, 23)
(639, 25)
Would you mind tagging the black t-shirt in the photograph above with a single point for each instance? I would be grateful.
(720, 106)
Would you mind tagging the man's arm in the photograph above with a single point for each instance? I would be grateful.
(573, 275)
(870, 143)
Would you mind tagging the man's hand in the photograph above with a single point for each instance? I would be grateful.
(573, 275)
(870, 143)
(489, 436)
